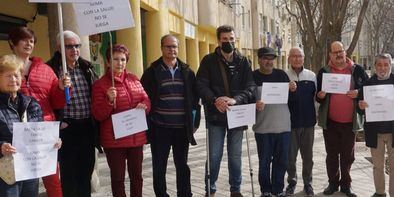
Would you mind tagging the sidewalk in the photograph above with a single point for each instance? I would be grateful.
(361, 171)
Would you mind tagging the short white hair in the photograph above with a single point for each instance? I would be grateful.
(297, 48)
(68, 34)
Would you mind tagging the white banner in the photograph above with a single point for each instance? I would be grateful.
(380, 99)
(129, 122)
(34, 143)
(241, 115)
(103, 16)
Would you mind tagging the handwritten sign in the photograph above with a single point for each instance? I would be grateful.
(129, 122)
(34, 142)
(380, 99)
(103, 16)
(241, 115)
(275, 93)
(336, 83)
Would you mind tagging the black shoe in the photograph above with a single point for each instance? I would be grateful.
(290, 189)
(330, 189)
(348, 192)
(236, 194)
(308, 189)
(378, 195)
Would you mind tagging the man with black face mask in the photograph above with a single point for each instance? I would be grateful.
(224, 78)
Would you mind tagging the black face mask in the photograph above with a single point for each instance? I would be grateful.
(228, 47)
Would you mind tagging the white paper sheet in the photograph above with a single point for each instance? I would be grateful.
(34, 142)
(103, 16)
(336, 83)
(275, 93)
(241, 115)
(380, 99)
(129, 122)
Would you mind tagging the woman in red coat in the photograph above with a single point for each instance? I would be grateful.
(40, 82)
(127, 94)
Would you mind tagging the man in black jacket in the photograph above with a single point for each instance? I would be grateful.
(170, 85)
(77, 131)
(224, 79)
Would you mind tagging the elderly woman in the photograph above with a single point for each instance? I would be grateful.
(128, 93)
(40, 82)
(13, 106)
(379, 135)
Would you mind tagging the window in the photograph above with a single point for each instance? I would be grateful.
(265, 25)
(273, 27)
(243, 16)
(8, 22)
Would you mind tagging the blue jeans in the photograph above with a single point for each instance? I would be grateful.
(234, 150)
(27, 188)
(272, 148)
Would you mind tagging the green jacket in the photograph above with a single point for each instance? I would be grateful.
(358, 78)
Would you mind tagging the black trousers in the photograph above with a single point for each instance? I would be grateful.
(76, 158)
(162, 141)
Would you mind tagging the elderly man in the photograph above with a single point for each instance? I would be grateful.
(303, 120)
(379, 135)
(272, 128)
(77, 130)
(339, 119)
(170, 85)
(224, 79)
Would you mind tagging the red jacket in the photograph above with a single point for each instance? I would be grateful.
(129, 93)
(42, 84)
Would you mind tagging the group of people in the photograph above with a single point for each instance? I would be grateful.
(169, 93)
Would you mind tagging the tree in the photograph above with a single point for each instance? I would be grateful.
(321, 22)
(380, 24)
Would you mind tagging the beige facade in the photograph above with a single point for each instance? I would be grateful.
(193, 22)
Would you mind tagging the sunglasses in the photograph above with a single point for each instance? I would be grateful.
(71, 46)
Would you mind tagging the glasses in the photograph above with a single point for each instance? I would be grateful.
(170, 46)
(268, 57)
(296, 56)
(72, 46)
(338, 52)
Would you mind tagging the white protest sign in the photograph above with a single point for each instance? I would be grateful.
(336, 83)
(129, 122)
(380, 99)
(275, 93)
(103, 16)
(34, 143)
(241, 115)
(60, 1)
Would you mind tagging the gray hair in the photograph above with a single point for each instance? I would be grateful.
(383, 56)
(68, 34)
(297, 48)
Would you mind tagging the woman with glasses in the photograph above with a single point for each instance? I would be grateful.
(127, 94)
(15, 107)
(40, 82)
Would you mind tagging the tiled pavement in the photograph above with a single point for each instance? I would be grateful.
(361, 171)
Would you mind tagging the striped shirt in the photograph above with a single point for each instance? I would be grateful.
(170, 109)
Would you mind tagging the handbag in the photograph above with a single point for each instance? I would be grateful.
(7, 173)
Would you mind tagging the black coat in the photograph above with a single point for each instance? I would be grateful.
(150, 81)
(210, 84)
(9, 115)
